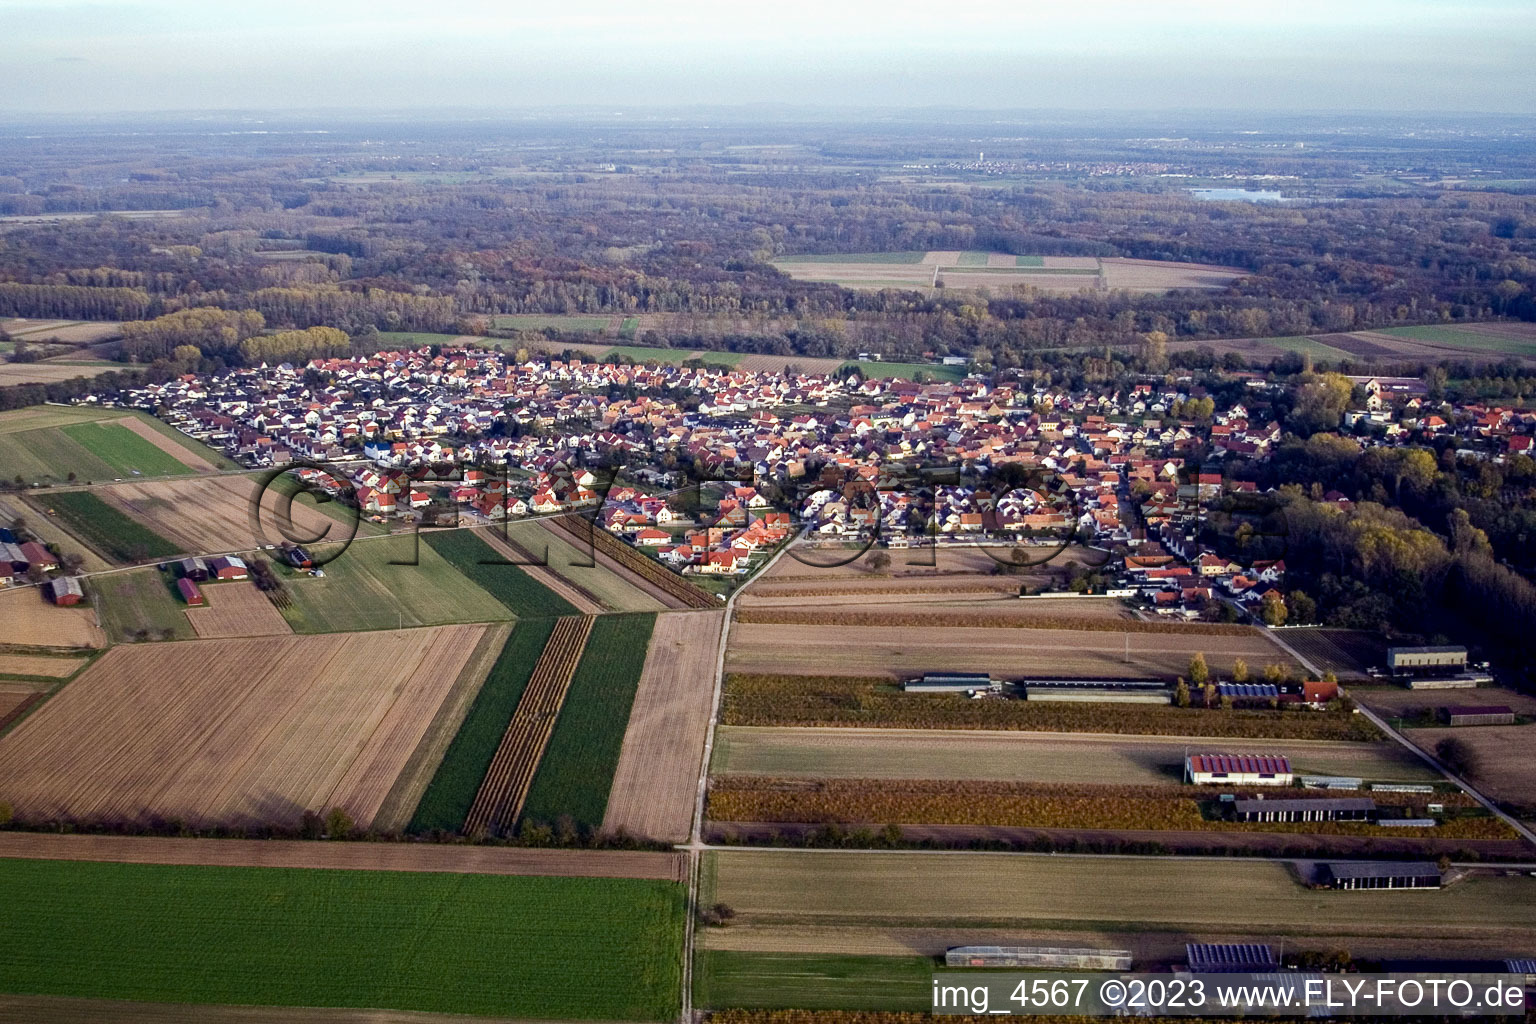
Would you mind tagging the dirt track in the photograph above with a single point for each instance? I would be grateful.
(657, 776)
(282, 853)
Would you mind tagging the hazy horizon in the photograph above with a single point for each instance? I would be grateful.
(145, 56)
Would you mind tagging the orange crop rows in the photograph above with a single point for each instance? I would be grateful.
(505, 786)
(652, 572)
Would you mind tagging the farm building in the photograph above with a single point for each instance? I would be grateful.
(1408, 661)
(64, 591)
(1380, 875)
(228, 567)
(1522, 965)
(1126, 691)
(1237, 770)
(1478, 714)
(297, 557)
(1230, 957)
(39, 556)
(951, 682)
(189, 592)
(193, 568)
(1318, 692)
(12, 557)
(1039, 956)
(1320, 809)
(1331, 782)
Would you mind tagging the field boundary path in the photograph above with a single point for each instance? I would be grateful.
(348, 856)
(1423, 755)
(507, 781)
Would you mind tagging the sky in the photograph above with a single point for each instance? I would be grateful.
(64, 57)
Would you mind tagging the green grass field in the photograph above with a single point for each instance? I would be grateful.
(643, 354)
(575, 564)
(415, 339)
(576, 771)
(1472, 341)
(573, 948)
(452, 790)
(523, 595)
(106, 529)
(34, 447)
(628, 328)
(575, 323)
(125, 451)
(1029, 261)
(907, 371)
(855, 257)
(140, 602)
(974, 258)
(1304, 345)
(363, 590)
(725, 979)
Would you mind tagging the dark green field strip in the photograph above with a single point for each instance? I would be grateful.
(106, 529)
(454, 784)
(725, 979)
(580, 948)
(525, 596)
(576, 772)
(125, 451)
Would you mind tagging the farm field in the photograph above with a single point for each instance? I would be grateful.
(1022, 756)
(953, 565)
(30, 621)
(575, 775)
(234, 732)
(15, 699)
(575, 323)
(1000, 272)
(666, 866)
(49, 531)
(581, 600)
(808, 888)
(213, 515)
(655, 781)
(140, 605)
(642, 571)
(854, 702)
(456, 777)
(72, 332)
(773, 981)
(1348, 653)
(33, 446)
(502, 792)
(106, 527)
(235, 609)
(898, 651)
(1504, 758)
(39, 665)
(514, 946)
(569, 558)
(904, 371)
(364, 590)
(519, 591)
(1488, 342)
(49, 371)
(977, 602)
(756, 363)
(1399, 701)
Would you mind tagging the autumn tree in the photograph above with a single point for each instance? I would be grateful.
(1199, 673)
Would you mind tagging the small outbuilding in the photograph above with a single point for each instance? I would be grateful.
(190, 593)
(1478, 714)
(952, 682)
(194, 568)
(65, 591)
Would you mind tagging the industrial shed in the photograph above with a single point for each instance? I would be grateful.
(193, 568)
(1114, 691)
(951, 682)
(1478, 714)
(1230, 957)
(1039, 956)
(1321, 809)
(1380, 875)
(1238, 770)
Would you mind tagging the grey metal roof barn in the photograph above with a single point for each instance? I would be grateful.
(1230, 957)
(1386, 874)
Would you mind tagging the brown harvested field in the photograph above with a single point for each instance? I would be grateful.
(71, 332)
(236, 608)
(15, 698)
(579, 598)
(1393, 701)
(180, 452)
(1001, 272)
(1006, 652)
(1158, 275)
(48, 373)
(1199, 897)
(1348, 653)
(499, 801)
(28, 620)
(267, 853)
(234, 732)
(213, 514)
(980, 603)
(38, 665)
(1025, 756)
(1504, 755)
(657, 776)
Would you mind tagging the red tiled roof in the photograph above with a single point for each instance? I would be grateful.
(1248, 764)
